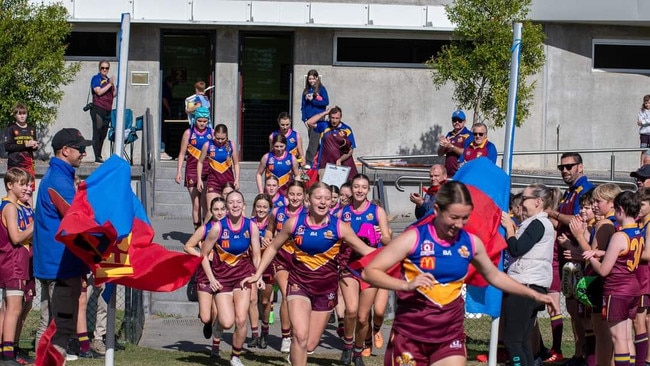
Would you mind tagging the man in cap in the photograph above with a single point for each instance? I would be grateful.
(57, 268)
(642, 176)
(453, 143)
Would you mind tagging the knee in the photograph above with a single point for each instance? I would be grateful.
(205, 318)
(240, 321)
(265, 301)
(351, 312)
(300, 339)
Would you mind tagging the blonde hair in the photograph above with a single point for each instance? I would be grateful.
(607, 192)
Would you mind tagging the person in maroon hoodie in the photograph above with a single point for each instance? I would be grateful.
(103, 91)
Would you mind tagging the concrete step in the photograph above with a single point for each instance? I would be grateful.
(175, 308)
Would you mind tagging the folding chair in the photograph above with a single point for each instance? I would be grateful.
(130, 132)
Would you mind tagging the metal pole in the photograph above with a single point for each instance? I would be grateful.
(507, 152)
(123, 60)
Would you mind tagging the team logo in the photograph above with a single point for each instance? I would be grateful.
(209, 137)
(427, 248)
(271, 167)
(225, 234)
(247, 234)
(295, 288)
(330, 296)
(287, 162)
(456, 344)
(271, 160)
(406, 359)
(370, 217)
(281, 217)
(463, 251)
(347, 217)
(16, 132)
(329, 234)
(300, 230)
(292, 140)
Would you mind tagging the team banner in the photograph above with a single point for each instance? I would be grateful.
(107, 227)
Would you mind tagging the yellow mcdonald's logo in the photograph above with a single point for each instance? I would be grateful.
(427, 262)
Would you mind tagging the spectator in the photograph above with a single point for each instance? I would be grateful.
(438, 176)
(572, 172)
(20, 141)
(642, 176)
(199, 99)
(336, 140)
(314, 101)
(452, 144)
(644, 125)
(103, 90)
(57, 268)
(480, 146)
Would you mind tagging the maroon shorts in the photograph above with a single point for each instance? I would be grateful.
(645, 141)
(619, 308)
(204, 286)
(30, 289)
(15, 284)
(319, 302)
(216, 181)
(402, 350)
(281, 261)
(190, 180)
(644, 302)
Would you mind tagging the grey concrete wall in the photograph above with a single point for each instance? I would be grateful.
(227, 80)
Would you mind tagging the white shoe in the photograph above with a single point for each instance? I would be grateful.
(235, 361)
(71, 357)
(289, 359)
(165, 156)
(286, 345)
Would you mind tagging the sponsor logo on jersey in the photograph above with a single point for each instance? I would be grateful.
(456, 344)
(464, 251)
(370, 217)
(427, 263)
(329, 234)
(247, 234)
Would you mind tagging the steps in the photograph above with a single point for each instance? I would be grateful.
(172, 200)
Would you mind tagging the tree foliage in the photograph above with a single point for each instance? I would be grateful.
(477, 61)
(32, 66)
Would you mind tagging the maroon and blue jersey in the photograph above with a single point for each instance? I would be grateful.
(315, 265)
(473, 151)
(231, 262)
(279, 200)
(196, 141)
(14, 258)
(363, 222)
(458, 139)
(285, 253)
(261, 226)
(280, 167)
(201, 277)
(622, 280)
(292, 141)
(442, 304)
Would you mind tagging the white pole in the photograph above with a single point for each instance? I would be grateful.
(123, 60)
(507, 152)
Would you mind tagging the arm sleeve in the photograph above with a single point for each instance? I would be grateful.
(95, 82)
(10, 142)
(527, 240)
(420, 211)
(492, 153)
(323, 102)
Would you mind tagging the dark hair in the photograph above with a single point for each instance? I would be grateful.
(273, 177)
(221, 128)
(335, 109)
(453, 192)
(347, 184)
(645, 99)
(644, 195)
(587, 198)
(296, 183)
(200, 86)
(334, 189)
(628, 201)
(103, 62)
(318, 185)
(261, 197)
(360, 176)
(515, 200)
(237, 192)
(217, 199)
(230, 185)
(284, 115)
(317, 85)
(576, 156)
(279, 138)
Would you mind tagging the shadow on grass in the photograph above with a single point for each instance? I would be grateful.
(178, 236)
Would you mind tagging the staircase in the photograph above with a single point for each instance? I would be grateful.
(171, 200)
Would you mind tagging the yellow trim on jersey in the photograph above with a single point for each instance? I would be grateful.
(221, 167)
(440, 293)
(315, 262)
(192, 150)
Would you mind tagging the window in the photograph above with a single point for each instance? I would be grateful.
(387, 51)
(92, 45)
(621, 55)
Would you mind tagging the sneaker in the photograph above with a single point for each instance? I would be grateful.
(286, 345)
(217, 332)
(99, 161)
(367, 352)
(332, 319)
(215, 355)
(264, 341)
(99, 346)
(24, 360)
(482, 358)
(207, 330)
(255, 342)
(73, 346)
(91, 354)
(346, 357)
(71, 357)
(358, 361)
(165, 156)
(555, 357)
(379, 340)
(235, 361)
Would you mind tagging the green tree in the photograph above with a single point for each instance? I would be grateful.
(33, 39)
(477, 61)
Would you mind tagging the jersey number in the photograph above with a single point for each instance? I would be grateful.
(637, 246)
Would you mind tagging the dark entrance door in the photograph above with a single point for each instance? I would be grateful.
(266, 69)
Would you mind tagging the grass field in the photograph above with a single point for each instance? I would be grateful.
(478, 332)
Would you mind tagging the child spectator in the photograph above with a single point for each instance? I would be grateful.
(14, 259)
(643, 122)
(20, 141)
(199, 99)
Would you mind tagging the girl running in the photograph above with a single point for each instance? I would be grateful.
(294, 141)
(223, 164)
(278, 163)
(271, 186)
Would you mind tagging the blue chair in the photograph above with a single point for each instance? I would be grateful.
(130, 132)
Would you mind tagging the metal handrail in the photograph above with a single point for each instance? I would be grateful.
(365, 160)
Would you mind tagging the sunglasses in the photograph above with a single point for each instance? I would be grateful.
(524, 198)
(104, 68)
(561, 167)
(454, 120)
(81, 149)
(480, 134)
(641, 179)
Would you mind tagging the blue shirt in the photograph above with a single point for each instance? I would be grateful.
(52, 260)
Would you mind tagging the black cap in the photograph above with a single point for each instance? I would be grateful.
(69, 137)
(643, 172)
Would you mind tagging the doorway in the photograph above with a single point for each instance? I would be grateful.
(186, 57)
(265, 72)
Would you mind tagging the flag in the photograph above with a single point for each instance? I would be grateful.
(46, 354)
(107, 227)
(490, 189)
